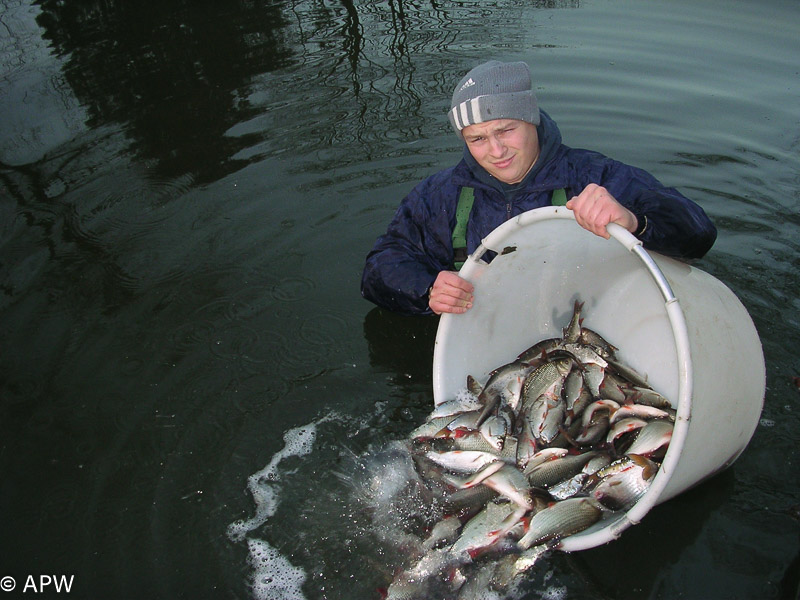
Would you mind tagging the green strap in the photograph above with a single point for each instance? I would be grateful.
(465, 200)
(463, 210)
(559, 197)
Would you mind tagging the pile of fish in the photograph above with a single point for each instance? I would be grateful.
(554, 441)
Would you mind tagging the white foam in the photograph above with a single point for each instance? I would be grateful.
(297, 442)
(274, 577)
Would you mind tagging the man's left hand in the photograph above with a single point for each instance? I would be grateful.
(595, 207)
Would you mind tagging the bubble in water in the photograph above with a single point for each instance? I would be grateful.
(555, 593)
(299, 441)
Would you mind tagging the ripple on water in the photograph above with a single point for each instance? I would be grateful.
(322, 337)
(325, 329)
(292, 289)
(187, 336)
(240, 342)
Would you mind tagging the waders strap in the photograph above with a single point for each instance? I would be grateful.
(463, 210)
(559, 197)
(465, 200)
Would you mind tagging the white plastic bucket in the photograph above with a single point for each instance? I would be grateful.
(680, 326)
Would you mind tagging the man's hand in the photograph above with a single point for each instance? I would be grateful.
(595, 208)
(450, 294)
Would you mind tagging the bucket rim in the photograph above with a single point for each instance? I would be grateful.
(474, 264)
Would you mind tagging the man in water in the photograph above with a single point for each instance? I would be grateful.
(514, 161)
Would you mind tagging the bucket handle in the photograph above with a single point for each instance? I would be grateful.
(627, 239)
(684, 362)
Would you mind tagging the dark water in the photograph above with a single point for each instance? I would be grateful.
(187, 194)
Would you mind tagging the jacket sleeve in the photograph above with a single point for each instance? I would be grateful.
(404, 262)
(669, 223)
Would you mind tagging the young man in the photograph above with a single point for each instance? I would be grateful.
(514, 161)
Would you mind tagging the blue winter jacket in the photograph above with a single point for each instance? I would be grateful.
(403, 264)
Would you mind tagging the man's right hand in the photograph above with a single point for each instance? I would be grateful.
(450, 294)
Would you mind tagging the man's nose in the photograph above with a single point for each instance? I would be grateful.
(496, 147)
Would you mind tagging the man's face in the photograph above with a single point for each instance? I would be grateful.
(506, 148)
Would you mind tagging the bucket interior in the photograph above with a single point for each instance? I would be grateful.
(527, 294)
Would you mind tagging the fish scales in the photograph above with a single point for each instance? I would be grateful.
(561, 519)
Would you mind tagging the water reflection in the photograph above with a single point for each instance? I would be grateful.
(202, 88)
(169, 71)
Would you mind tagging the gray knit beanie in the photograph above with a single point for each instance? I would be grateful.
(494, 90)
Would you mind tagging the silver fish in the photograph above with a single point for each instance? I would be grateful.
(443, 532)
(429, 429)
(591, 338)
(629, 373)
(462, 461)
(536, 353)
(547, 377)
(572, 331)
(600, 460)
(504, 386)
(544, 455)
(572, 390)
(609, 407)
(593, 375)
(567, 488)
(594, 431)
(653, 439)
(624, 426)
(473, 440)
(467, 420)
(553, 420)
(486, 528)
(613, 388)
(641, 411)
(622, 487)
(494, 430)
(469, 499)
(648, 396)
(595, 421)
(512, 484)
(509, 451)
(454, 407)
(479, 477)
(544, 416)
(585, 355)
(527, 446)
(554, 471)
(561, 519)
